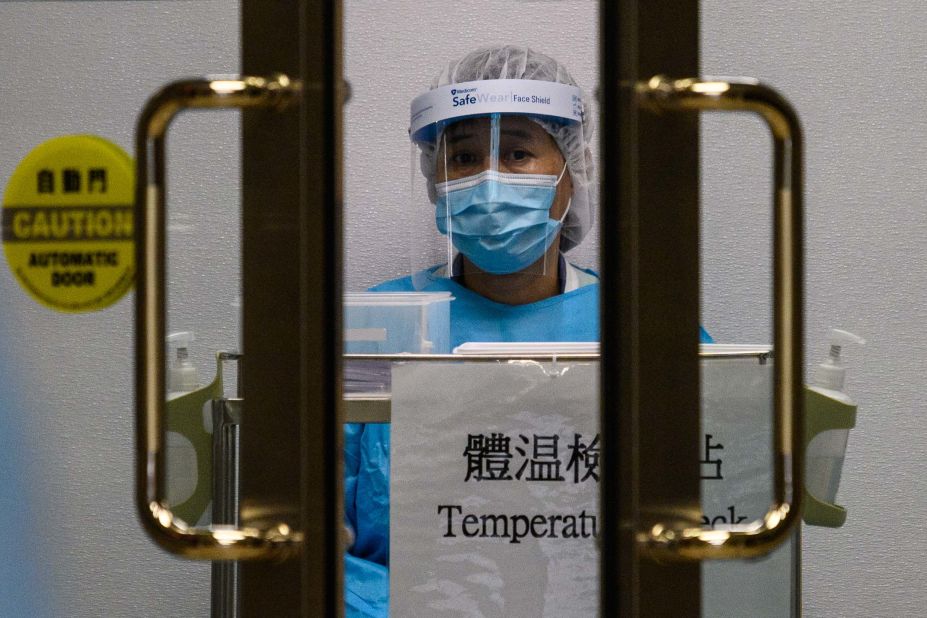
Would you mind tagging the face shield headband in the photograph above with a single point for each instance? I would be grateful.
(446, 104)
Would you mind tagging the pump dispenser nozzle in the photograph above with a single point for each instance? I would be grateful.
(831, 373)
(182, 376)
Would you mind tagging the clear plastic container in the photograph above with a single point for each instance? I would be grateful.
(391, 323)
(397, 322)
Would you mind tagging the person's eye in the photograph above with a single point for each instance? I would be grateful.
(519, 156)
(463, 159)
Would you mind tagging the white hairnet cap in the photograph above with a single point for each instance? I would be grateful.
(517, 62)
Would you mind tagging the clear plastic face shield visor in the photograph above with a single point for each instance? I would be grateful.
(491, 185)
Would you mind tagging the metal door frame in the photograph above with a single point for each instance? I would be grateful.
(650, 301)
(291, 322)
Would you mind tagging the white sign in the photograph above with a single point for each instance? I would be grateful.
(494, 489)
(479, 526)
(736, 450)
(736, 467)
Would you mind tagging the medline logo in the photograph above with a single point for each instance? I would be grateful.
(466, 96)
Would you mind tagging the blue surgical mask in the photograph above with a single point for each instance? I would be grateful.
(501, 222)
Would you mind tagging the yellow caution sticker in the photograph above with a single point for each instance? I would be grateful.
(68, 223)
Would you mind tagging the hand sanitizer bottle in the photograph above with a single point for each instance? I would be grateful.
(182, 460)
(825, 454)
(181, 376)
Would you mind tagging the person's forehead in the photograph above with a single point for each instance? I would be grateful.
(512, 125)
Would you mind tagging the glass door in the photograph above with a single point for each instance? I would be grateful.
(275, 529)
(471, 180)
(71, 541)
(236, 229)
(675, 526)
(411, 522)
(509, 265)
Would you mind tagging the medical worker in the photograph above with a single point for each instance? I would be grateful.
(503, 136)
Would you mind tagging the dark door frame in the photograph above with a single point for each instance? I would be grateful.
(291, 280)
(650, 304)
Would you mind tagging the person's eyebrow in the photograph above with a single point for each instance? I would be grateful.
(458, 137)
(527, 135)
(453, 138)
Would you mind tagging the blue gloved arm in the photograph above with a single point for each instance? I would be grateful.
(366, 588)
(352, 437)
(366, 582)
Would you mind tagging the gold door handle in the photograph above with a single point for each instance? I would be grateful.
(174, 535)
(690, 94)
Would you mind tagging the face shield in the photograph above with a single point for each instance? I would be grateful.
(497, 187)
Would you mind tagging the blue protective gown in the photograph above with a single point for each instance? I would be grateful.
(571, 316)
